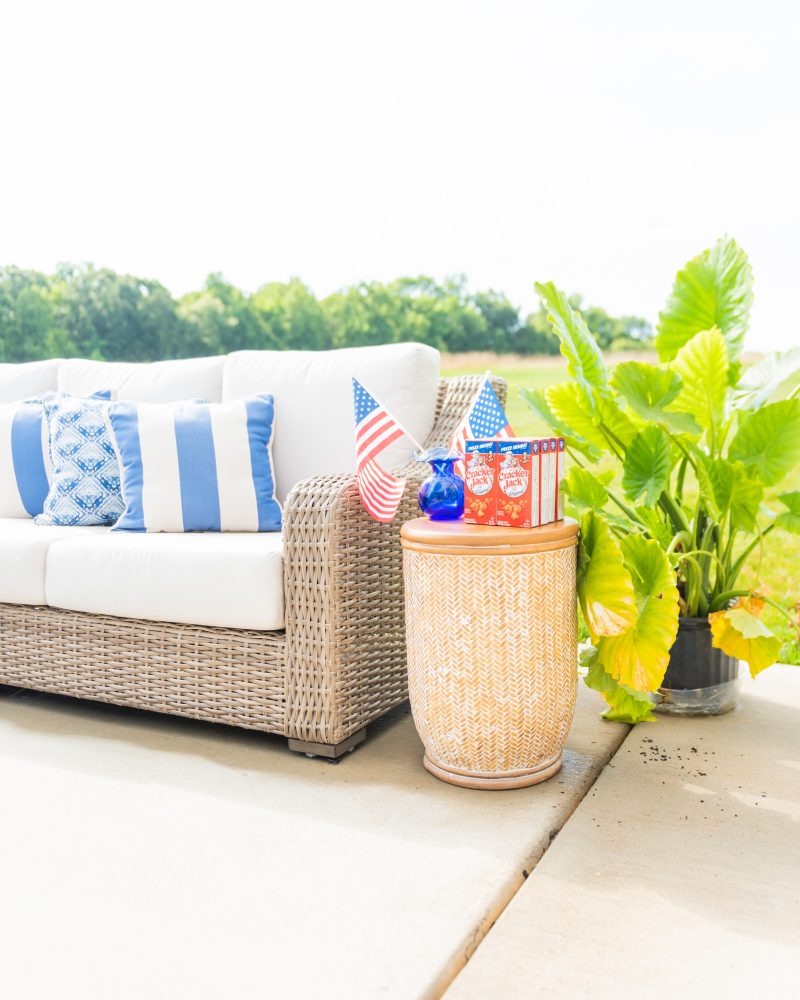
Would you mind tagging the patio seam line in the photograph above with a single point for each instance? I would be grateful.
(470, 943)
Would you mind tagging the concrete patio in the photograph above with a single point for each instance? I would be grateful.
(148, 856)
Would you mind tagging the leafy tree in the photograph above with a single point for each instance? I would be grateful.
(371, 313)
(116, 317)
(93, 312)
(26, 315)
(216, 320)
(290, 318)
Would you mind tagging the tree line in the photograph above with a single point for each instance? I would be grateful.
(86, 311)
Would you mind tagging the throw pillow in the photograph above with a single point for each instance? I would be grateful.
(197, 466)
(84, 478)
(23, 458)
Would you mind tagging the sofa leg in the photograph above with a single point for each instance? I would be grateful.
(332, 751)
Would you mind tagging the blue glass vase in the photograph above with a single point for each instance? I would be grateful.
(441, 496)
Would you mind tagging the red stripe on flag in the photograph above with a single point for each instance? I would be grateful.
(380, 491)
(384, 443)
(371, 433)
(380, 485)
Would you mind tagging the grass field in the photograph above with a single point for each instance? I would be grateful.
(773, 570)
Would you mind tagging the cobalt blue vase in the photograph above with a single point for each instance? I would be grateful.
(441, 496)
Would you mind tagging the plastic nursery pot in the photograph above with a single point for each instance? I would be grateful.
(700, 680)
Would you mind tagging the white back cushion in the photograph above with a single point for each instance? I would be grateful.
(29, 379)
(314, 402)
(153, 382)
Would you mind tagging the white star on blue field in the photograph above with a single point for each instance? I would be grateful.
(487, 417)
(364, 403)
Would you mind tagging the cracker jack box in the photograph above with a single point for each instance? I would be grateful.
(561, 456)
(528, 473)
(480, 481)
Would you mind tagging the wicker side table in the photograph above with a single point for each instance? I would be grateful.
(491, 625)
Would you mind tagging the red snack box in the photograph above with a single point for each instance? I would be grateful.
(518, 479)
(480, 481)
(529, 471)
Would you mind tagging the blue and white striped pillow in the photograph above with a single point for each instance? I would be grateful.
(197, 466)
(23, 458)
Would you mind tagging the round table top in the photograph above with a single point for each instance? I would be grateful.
(422, 533)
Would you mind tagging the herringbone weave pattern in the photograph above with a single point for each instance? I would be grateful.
(492, 656)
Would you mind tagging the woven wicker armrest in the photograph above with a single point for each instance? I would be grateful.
(345, 637)
(343, 582)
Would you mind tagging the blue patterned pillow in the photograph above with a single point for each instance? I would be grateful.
(84, 479)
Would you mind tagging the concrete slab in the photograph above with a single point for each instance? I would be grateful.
(143, 856)
(678, 875)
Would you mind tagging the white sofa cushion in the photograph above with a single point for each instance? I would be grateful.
(313, 393)
(225, 579)
(152, 382)
(29, 379)
(23, 557)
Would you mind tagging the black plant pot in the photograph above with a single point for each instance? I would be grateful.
(700, 680)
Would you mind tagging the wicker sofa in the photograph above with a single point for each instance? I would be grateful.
(337, 663)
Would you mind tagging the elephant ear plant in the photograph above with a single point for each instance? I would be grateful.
(687, 448)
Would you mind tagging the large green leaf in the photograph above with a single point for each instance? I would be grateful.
(623, 427)
(702, 365)
(625, 705)
(728, 487)
(647, 465)
(535, 398)
(584, 359)
(739, 632)
(572, 406)
(768, 440)
(638, 656)
(789, 519)
(649, 389)
(656, 526)
(778, 372)
(712, 290)
(583, 490)
(605, 588)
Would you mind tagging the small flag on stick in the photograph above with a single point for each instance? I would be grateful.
(381, 492)
(485, 418)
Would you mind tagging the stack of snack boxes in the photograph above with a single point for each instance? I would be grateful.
(513, 482)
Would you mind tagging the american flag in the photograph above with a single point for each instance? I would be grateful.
(381, 492)
(485, 418)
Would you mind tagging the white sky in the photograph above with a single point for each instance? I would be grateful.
(598, 144)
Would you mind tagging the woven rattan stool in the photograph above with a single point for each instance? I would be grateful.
(491, 627)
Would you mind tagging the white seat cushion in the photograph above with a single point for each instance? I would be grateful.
(31, 378)
(152, 382)
(314, 402)
(229, 579)
(23, 557)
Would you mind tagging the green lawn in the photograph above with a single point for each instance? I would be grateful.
(773, 571)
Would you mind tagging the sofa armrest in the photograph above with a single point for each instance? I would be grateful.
(343, 584)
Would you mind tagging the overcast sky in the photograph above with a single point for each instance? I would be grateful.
(597, 144)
